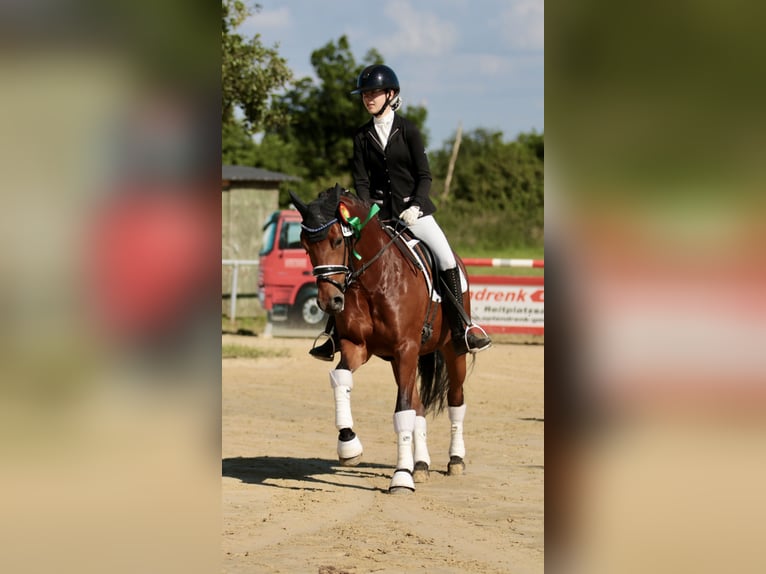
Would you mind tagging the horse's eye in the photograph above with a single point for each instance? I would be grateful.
(337, 242)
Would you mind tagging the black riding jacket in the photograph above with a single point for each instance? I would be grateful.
(396, 177)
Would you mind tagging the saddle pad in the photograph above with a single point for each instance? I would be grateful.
(411, 243)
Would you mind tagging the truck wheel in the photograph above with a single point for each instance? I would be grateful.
(306, 311)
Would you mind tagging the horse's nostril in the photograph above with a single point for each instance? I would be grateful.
(337, 302)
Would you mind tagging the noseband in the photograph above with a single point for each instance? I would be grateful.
(325, 272)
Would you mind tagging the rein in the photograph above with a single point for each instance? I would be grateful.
(353, 276)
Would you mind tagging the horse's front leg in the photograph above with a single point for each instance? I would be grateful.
(342, 381)
(409, 423)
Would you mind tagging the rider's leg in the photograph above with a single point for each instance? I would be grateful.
(326, 351)
(462, 341)
(429, 231)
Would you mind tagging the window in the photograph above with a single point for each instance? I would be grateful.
(290, 238)
(269, 230)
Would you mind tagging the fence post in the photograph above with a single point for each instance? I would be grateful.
(233, 300)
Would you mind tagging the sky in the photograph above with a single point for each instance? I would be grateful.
(478, 63)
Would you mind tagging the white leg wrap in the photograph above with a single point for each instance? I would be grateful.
(342, 382)
(404, 425)
(456, 445)
(421, 447)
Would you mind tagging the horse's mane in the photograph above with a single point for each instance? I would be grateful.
(327, 203)
(322, 212)
(354, 201)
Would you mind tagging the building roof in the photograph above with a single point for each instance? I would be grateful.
(244, 173)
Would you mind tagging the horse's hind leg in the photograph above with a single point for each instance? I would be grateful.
(349, 446)
(422, 458)
(456, 409)
(456, 464)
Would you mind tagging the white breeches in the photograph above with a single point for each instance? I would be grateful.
(427, 230)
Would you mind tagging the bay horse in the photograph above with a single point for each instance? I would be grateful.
(383, 301)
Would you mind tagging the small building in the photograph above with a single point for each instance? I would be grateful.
(249, 195)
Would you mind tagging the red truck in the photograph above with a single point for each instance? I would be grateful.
(286, 288)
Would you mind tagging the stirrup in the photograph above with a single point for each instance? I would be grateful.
(323, 334)
(475, 350)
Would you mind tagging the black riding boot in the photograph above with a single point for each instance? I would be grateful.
(462, 341)
(326, 351)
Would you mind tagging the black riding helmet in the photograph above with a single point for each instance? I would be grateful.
(376, 77)
(379, 77)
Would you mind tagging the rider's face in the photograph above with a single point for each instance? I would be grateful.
(374, 100)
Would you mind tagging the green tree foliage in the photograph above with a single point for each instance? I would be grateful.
(250, 74)
(238, 145)
(496, 184)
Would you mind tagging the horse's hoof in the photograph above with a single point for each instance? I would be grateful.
(350, 449)
(420, 474)
(456, 466)
(353, 461)
(401, 482)
(400, 490)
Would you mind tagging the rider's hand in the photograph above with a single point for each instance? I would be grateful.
(410, 215)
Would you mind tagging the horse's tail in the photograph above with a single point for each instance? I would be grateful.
(434, 381)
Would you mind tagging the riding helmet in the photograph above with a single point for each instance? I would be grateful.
(376, 77)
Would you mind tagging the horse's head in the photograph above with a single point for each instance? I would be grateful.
(322, 238)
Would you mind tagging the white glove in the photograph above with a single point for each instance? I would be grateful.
(410, 215)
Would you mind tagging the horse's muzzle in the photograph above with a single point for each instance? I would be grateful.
(336, 303)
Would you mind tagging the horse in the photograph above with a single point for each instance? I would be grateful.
(382, 298)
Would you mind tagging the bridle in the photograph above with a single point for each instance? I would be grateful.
(325, 272)
(351, 234)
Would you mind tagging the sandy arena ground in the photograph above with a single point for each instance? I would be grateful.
(288, 507)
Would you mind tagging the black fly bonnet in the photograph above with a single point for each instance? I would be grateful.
(320, 214)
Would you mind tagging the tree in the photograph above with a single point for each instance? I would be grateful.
(250, 74)
(500, 184)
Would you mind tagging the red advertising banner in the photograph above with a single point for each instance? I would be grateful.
(508, 304)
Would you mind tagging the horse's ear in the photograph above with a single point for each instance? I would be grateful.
(299, 205)
(334, 197)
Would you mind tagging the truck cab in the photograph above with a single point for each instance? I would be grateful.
(286, 287)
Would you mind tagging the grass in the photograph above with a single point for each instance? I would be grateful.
(248, 326)
(512, 252)
(243, 325)
(247, 352)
